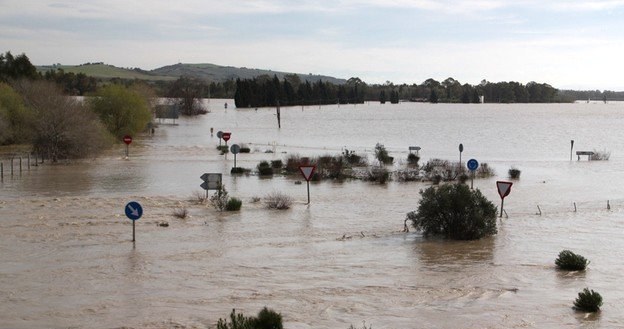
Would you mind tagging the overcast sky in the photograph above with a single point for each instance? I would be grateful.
(569, 44)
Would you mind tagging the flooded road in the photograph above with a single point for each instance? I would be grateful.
(68, 260)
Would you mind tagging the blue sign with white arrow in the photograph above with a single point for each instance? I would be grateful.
(472, 164)
(134, 210)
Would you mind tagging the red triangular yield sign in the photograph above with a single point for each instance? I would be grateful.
(307, 171)
(504, 188)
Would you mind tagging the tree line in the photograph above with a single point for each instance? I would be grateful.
(264, 91)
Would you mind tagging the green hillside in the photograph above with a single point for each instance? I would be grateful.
(104, 71)
(208, 72)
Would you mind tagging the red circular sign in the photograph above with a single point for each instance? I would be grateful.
(226, 136)
(127, 139)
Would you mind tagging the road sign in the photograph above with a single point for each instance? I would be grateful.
(226, 136)
(211, 181)
(504, 188)
(235, 149)
(134, 210)
(472, 164)
(461, 147)
(219, 134)
(127, 139)
(307, 172)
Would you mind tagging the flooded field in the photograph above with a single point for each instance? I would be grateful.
(68, 260)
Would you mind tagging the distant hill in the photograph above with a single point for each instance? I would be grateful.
(104, 71)
(209, 72)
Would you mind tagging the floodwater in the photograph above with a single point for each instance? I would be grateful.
(67, 259)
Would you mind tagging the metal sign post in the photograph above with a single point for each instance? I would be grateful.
(504, 188)
(235, 149)
(134, 211)
(127, 140)
(307, 172)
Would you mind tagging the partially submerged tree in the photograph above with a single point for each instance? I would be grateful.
(189, 91)
(122, 110)
(15, 118)
(63, 128)
(454, 211)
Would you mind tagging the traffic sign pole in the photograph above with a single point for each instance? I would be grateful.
(134, 211)
(307, 172)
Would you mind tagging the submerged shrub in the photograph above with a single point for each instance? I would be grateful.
(381, 154)
(412, 159)
(514, 173)
(233, 204)
(380, 175)
(181, 213)
(266, 319)
(485, 171)
(600, 155)
(237, 170)
(223, 149)
(277, 164)
(570, 261)
(264, 168)
(454, 211)
(237, 321)
(588, 301)
(278, 200)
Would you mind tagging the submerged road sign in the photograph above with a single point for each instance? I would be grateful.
(307, 172)
(134, 211)
(504, 188)
(212, 181)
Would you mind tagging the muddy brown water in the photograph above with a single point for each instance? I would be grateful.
(67, 259)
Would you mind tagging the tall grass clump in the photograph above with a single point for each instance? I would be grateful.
(570, 261)
(588, 301)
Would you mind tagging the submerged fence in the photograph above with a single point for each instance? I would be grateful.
(13, 165)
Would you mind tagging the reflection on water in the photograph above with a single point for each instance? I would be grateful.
(67, 259)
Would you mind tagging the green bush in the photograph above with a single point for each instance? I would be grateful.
(588, 301)
(264, 169)
(237, 170)
(268, 319)
(514, 173)
(570, 261)
(233, 204)
(454, 211)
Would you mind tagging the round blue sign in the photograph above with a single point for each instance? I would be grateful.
(472, 164)
(134, 210)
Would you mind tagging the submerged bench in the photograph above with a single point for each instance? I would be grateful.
(588, 153)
